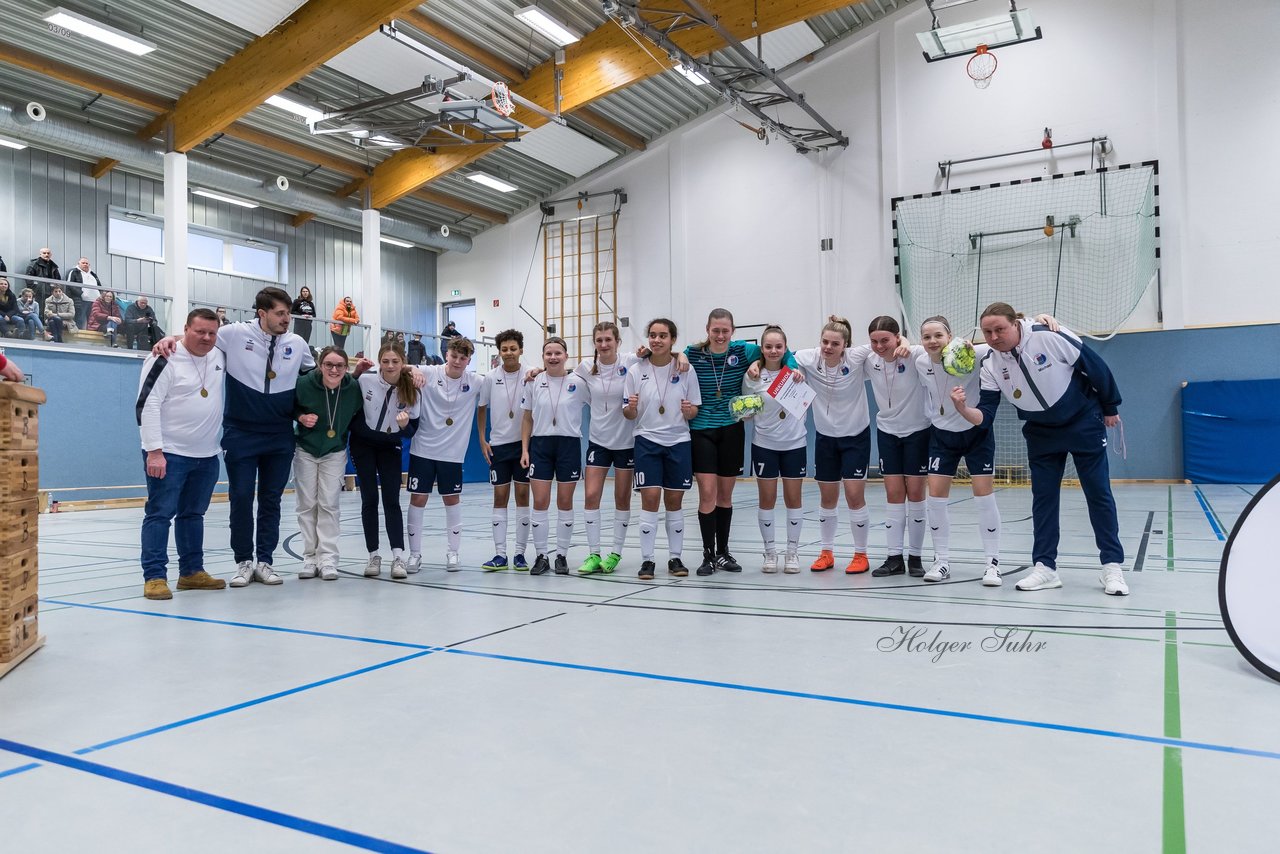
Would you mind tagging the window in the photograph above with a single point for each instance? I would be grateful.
(135, 235)
(262, 262)
(204, 250)
(138, 235)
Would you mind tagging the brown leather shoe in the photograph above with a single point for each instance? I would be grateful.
(200, 581)
(156, 588)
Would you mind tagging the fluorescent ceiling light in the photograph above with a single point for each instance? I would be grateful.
(689, 74)
(311, 114)
(231, 200)
(401, 243)
(86, 26)
(491, 182)
(12, 143)
(547, 25)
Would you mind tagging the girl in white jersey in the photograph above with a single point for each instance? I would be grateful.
(661, 401)
(779, 448)
(552, 449)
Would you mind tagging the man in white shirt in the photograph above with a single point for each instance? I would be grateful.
(179, 413)
(83, 287)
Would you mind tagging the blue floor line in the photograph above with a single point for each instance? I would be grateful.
(1213, 523)
(291, 822)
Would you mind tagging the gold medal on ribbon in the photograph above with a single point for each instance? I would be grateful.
(204, 392)
(1017, 393)
(511, 413)
(332, 433)
(662, 410)
(271, 375)
(448, 422)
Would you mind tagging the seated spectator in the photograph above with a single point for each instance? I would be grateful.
(105, 317)
(10, 320)
(222, 316)
(59, 314)
(416, 351)
(29, 314)
(83, 286)
(140, 325)
(45, 267)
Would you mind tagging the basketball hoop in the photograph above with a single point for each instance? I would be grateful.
(501, 99)
(981, 66)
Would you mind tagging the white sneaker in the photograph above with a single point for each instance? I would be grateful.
(415, 563)
(991, 577)
(309, 570)
(792, 564)
(1113, 580)
(1041, 578)
(244, 574)
(398, 568)
(451, 562)
(938, 572)
(373, 568)
(328, 572)
(265, 574)
(770, 562)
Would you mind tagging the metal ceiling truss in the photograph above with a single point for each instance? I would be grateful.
(739, 81)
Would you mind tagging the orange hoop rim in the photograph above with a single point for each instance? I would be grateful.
(982, 64)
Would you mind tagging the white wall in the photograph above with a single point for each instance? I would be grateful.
(715, 217)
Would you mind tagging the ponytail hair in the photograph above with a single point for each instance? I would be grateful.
(716, 314)
(1001, 309)
(555, 339)
(884, 323)
(772, 328)
(840, 326)
(670, 324)
(939, 319)
(602, 326)
(405, 389)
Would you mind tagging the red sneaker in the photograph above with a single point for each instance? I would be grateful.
(825, 561)
(858, 564)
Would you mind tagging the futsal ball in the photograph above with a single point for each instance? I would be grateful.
(745, 406)
(958, 358)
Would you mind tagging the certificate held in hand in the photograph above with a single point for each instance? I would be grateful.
(793, 396)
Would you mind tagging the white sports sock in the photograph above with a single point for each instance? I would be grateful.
(453, 520)
(648, 533)
(538, 526)
(415, 528)
(795, 523)
(397, 553)
(675, 532)
(592, 518)
(827, 521)
(939, 528)
(765, 518)
(500, 515)
(564, 530)
(860, 525)
(989, 525)
(621, 521)
(915, 527)
(522, 529)
(895, 523)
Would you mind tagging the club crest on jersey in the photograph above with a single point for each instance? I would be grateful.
(845, 370)
(622, 372)
(675, 380)
(1041, 358)
(901, 367)
(288, 352)
(572, 388)
(732, 360)
(466, 388)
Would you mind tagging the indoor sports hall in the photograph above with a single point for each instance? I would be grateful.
(1060, 637)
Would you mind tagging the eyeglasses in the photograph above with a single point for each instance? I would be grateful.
(334, 366)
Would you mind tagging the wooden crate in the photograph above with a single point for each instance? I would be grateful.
(19, 416)
(18, 577)
(19, 476)
(19, 525)
(20, 628)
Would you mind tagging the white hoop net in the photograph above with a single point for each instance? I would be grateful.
(501, 99)
(981, 66)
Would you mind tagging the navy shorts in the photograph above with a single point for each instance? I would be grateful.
(425, 473)
(976, 445)
(841, 458)
(555, 456)
(770, 465)
(504, 464)
(598, 456)
(905, 455)
(719, 450)
(660, 465)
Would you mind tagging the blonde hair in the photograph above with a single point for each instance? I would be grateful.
(602, 326)
(404, 383)
(840, 326)
(716, 314)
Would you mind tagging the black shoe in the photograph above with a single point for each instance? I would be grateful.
(893, 565)
(540, 566)
(726, 562)
(647, 569)
(708, 565)
(562, 565)
(915, 566)
(676, 567)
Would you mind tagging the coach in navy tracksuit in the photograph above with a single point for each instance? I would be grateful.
(1066, 398)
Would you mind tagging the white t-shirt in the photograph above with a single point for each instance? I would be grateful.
(443, 400)
(900, 397)
(773, 427)
(382, 403)
(661, 389)
(609, 429)
(556, 404)
(503, 393)
(173, 416)
(840, 407)
(938, 384)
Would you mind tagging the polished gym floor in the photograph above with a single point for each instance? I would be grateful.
(474, 712)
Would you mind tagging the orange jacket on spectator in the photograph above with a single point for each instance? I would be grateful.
(345, 317)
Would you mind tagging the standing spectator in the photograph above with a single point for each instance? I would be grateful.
(180, 453)
(221, 314)
(29, 314)
(43, 266)
(450, 331)
(59, 314)
(10, 318)
(105, 317)
(83, 286)
(416, 350)
(303, 307)
(140, 322)
(344, 316)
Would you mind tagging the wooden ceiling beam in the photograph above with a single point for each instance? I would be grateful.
(85, 79)
(102, 167)
(408, 169)
(302, 218)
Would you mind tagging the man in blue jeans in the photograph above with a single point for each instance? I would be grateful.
(179, 411)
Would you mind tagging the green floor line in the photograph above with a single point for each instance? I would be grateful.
(1175, 822)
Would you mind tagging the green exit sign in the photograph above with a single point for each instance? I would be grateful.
(455, 292)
